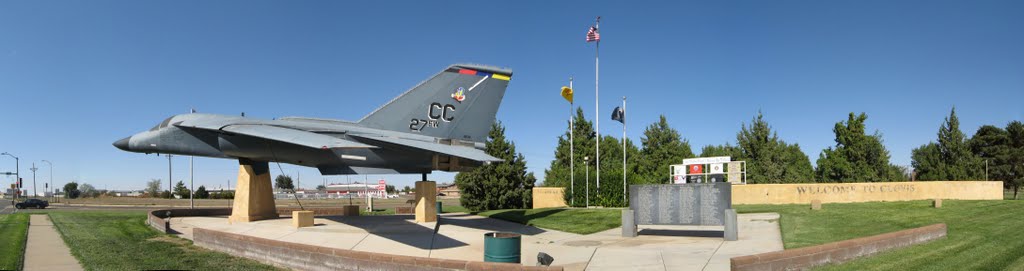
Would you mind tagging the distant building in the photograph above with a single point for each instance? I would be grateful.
(357, 189)
(449, 190)
(126, 193)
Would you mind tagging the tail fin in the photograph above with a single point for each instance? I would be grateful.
(459, 103)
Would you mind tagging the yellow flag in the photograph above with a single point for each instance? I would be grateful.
(567, 94)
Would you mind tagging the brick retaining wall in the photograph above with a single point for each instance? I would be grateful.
(308, 257)
(837, 252)
(158, 218)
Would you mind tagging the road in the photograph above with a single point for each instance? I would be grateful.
(6, 207)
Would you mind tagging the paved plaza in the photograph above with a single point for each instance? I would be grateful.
(461, 237)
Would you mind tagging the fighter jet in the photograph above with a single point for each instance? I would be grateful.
(439, 124)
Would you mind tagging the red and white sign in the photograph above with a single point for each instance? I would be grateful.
(381, 185)
(696, 169)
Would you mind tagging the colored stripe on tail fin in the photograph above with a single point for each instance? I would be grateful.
(460, 103)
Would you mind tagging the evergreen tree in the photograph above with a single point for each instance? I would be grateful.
(857, 156)
(610, 194)
(501, 185)
(201, 193)
(950, 159)
(181, 190)
(558, 173)
(662, 146)
(721, 150)
(769, 159)
(1014, 158)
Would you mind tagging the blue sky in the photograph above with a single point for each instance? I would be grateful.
(76, 76)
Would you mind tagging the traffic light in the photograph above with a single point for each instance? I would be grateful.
(19, 183)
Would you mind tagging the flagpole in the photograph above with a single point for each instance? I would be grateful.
(623, 149)
(597, 65)
(572, 159)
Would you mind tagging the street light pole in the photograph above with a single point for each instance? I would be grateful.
(17, 170)
(586, 166)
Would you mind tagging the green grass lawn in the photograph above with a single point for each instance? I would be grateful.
(983, 235)
(121, 241)
(13, 232)
(582, 221)
(453, 209)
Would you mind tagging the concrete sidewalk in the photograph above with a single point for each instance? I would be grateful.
(45, 250)
(461, 238)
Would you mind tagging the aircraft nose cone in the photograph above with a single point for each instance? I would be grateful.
(122, 144)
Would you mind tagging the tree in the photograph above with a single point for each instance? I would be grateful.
(1014, 159)
(769, 159)
(950, 159)
(406, 189)
(181, 190)
(721, 150)
(500, 185)
(153, 187)
(284, 182)
(558, 173)
(561, 172)
(201, 193)
(71, 190)
(662, 146)
(87, 191)
(390, 189)
(610, 194)
(321, 188)
(857, 156)
(1004, 152)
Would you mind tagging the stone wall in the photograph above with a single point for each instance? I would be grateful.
(837, 252)
(548, 197)
(308, 257)
(865, 192)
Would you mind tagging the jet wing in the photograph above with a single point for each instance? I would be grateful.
(460, 151)
(281, 134)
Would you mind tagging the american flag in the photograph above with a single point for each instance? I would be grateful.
(593, 35)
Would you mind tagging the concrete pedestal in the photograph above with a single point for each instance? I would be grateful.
(426, 196)
(302, 219)
(254, 198)
(628, 224)
(731, 226)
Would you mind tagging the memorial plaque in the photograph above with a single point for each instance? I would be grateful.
(680, 204)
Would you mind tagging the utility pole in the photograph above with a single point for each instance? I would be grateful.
(35, 192)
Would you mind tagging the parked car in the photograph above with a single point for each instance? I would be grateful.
(32, 203)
